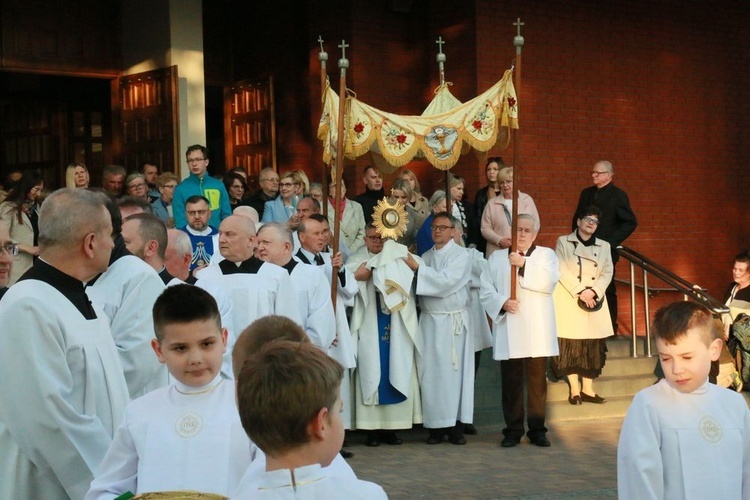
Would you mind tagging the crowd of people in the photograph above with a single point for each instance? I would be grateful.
(135, 305)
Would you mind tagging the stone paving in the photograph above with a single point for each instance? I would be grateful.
(581, 463)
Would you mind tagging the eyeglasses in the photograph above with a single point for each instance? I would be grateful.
(195, 160)
(287, 184)
(597, 173)
(9, 247)
(374, 239)
(441, 228)
(271, 180)
(136, 186)
(505, 183)
(195, 213)
(591, 220)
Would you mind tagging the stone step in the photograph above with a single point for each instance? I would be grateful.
(559, 411)
(621, 346)
(607, 387)
(619, 366)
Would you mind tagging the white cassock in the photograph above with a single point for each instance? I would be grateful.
(338, 468)
(176, 438)
(482, 330)
(62, 394)
(531, 332)
(388, 269)
(446, 363)
(685, 445)
(246, 292)
(308, 482)
(127, 292)
(314, 301)
(345, 349)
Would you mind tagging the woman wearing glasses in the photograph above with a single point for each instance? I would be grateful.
(496, 217)
(581, 312)
(282, 208)
(19, 212)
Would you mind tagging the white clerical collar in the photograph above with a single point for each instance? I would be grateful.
(205, 232)
(190, 390)
(310, 256)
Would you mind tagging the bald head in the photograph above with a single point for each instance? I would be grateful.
(237, 238)
(248, 212)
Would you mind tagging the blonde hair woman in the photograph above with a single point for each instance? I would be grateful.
(418, 202)
(77, 175)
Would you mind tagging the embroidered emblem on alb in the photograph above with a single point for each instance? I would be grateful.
(710, 429)
(189, 425)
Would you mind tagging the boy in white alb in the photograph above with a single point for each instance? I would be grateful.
(278, 389)
(186, 436)
(684, 437)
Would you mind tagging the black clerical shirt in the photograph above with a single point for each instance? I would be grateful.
(69, 286)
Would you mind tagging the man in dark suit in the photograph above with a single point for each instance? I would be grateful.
(616, 222)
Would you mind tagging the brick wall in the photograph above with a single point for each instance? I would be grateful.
(658, 88)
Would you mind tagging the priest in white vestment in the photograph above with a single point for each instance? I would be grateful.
(313, 291)
(126, 292)
(314, 237)
(385, 327)
(63, 392)
(523, 329)
(446, 362)
(255, 288)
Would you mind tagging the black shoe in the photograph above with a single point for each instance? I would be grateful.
(540, 440)
(458, 439)
(470, 429)
(436, 436)
(346, 454)
(372, 439)
(390, 438)
(575, 400)
(509, 442)
(592, 399)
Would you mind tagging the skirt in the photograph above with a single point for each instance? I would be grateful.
(585, 357)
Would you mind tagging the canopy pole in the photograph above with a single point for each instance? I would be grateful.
(343, 65)
(440, 58)
(518, 42)
(323, 58)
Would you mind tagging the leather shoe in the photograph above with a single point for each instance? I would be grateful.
(470, 429)
(592, 399)
(372, 439)
(458, 439)
(540, 440)
(509, 442)
(434, 439)
(575, 400)
(390, 438)
(346, 454)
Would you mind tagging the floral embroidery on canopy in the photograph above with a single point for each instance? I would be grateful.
(444, 132)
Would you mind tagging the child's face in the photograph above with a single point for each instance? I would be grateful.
(335, 438)
(686, 363)
(192, 351)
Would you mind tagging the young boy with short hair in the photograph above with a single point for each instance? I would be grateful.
(186, 436)
(684, 437)
(290, 403)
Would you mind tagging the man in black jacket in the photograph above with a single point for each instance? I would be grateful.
(374, 192)
(616, 222)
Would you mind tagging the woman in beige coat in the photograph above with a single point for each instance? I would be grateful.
(581, 311)
(19, 212)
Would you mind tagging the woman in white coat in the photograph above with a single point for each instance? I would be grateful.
(582, 314)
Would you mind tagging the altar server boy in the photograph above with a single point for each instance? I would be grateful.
(290, 405)
(684, 437)
(186, 436)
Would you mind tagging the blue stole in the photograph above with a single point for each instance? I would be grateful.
(387, 394)
(203, 248)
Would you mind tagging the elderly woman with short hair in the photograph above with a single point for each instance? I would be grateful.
(136, 186)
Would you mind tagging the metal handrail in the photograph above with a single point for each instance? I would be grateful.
(689, 290)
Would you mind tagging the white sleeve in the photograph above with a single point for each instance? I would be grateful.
(440, 283)
(640, 470)
(321, 321)
(492, 294)
(118, 472)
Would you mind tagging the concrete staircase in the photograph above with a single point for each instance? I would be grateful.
(621, 378)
